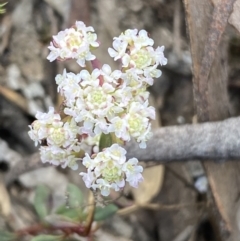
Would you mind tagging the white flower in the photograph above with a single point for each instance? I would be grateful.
(54, 54)
(128, 36)
(40, 127)
(133, 172)
(141, 95)
(47, 118)
(142, 39)
(109, 76)
(101, 125)
(117, 153)
(90, 79)
(159, 56)
(83, 54)
(108, 170)
(74, 43)
(139, 58)
(58, 156)
(118, 50)
(56, 135)
(123, 96)
(138, 124)
(99, 99)
(88, 162)
(68, 85)
(104, 187)
(88, 178)
(133, 78)
(38, 132)
(150, 73)
(120, 127)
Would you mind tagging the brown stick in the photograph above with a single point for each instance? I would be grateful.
(214, 140)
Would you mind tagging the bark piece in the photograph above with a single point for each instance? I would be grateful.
(210, 80)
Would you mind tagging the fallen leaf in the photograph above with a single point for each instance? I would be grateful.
(152, 184)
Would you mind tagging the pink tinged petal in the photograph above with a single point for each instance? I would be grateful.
(88, 178)
(121, 183)
(134, 180)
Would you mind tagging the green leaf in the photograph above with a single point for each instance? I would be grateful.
(106, 140)
(73, 208)
(41, 201)
(2, 10)
(75, 196)
(47, 238)
(6, 236)
(57, 220)
(104, 213)
(72, 213)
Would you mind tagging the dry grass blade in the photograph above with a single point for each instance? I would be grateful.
(15, 98)
(5, 205)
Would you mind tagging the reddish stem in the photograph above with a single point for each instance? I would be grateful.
(96, 64)
(35, 229)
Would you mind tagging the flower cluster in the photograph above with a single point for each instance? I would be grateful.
(103, 103)
(109, 170)
(97, 103)
(139, 59)
(59, 141)
(74, 43)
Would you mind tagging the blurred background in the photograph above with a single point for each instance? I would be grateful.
(170, 204)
